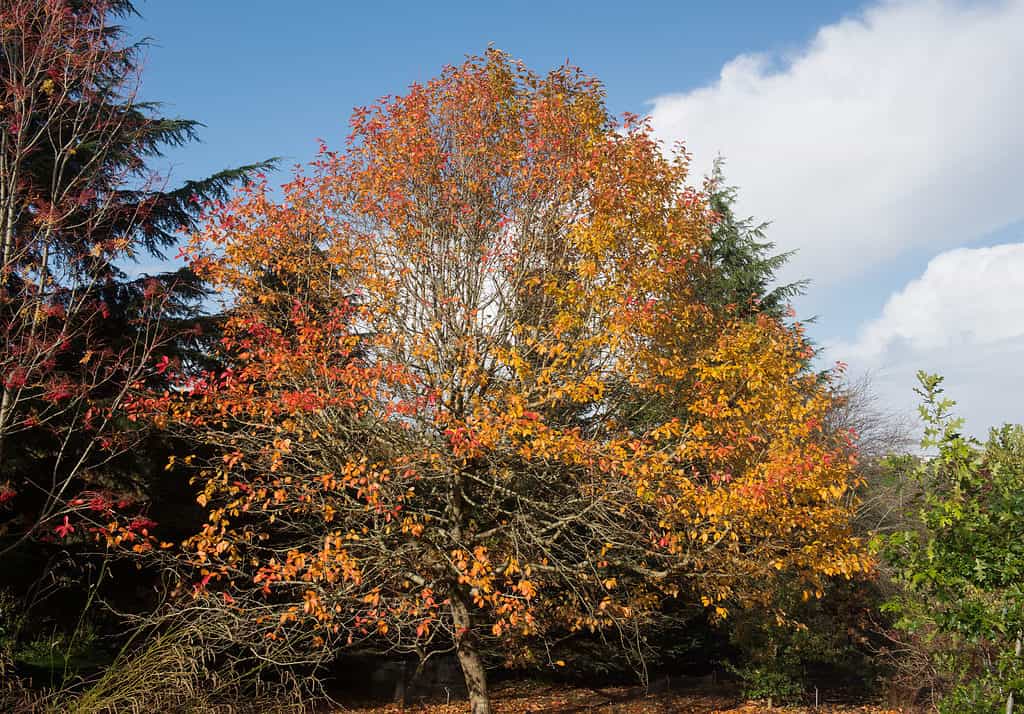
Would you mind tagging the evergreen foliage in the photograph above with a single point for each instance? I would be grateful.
(742, 262)
(81, 203)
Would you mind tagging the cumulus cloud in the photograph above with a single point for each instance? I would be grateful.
(963, 318)
(893, 130)
(964, 297)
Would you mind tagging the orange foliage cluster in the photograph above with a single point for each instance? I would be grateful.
(469, 386)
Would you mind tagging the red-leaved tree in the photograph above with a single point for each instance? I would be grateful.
(78, 199)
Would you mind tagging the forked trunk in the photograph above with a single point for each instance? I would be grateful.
(469, 657)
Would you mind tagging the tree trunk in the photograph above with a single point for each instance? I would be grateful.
(469, 656)
(400, 685)
(1016, 653)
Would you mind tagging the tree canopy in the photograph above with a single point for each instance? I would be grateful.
(446, 344)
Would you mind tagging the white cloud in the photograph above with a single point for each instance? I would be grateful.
(893, 130)
(963, 318)
(964, 297)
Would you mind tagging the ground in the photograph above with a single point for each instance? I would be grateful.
(528, 698)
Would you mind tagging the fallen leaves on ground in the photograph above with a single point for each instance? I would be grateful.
(529, 698)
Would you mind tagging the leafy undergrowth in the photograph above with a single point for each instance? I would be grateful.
(528, 698)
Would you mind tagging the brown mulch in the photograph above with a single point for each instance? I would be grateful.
(530, 698)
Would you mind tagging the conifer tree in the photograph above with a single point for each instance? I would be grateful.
(742, 263)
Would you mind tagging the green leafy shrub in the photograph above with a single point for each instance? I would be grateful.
(960, 561)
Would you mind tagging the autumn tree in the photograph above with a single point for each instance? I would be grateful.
(79, 202)
(443, 341)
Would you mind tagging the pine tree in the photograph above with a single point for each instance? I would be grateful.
(742, 262)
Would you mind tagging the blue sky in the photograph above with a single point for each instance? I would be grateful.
(882, 138)
(269, 82)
